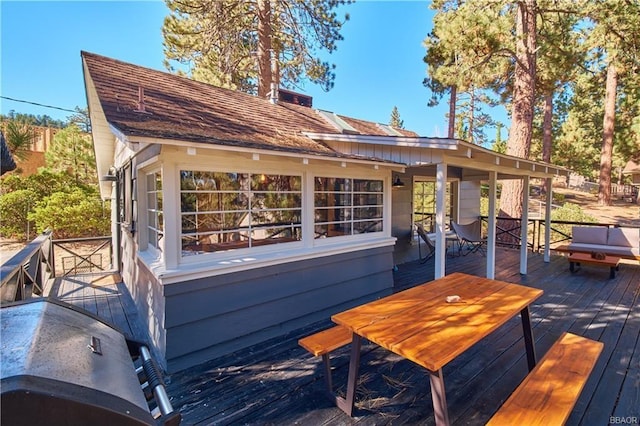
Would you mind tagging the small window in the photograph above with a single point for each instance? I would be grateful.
(155, 220)
(346, 206)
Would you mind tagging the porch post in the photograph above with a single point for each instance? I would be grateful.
(524, 224)
(441, 244)
(547, 221)
(491, 236)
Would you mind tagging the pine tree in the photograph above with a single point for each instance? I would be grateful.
(248, 45)
(72, 152)
(395, 120)
(616, 35)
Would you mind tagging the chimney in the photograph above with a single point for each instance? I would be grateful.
(140, 99)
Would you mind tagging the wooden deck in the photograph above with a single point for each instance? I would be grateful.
(278, 382)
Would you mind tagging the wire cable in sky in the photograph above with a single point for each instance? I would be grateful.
(37, 104)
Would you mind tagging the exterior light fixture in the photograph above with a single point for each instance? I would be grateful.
(111, 176)
(397, 183)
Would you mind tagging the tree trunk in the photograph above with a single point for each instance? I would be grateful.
(522, 105)
(547, 128)
(452, 112)
(264, 48)
(604, 192)
(472, 107)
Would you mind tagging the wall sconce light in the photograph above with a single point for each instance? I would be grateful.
(111, 176)
(397, 183)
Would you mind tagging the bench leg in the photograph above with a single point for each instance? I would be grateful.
(572, 266)
(347, 404)
(327, 373)
(439, 398)
(528, 338)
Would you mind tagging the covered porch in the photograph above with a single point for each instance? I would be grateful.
(278, 382)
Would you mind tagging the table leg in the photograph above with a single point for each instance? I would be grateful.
(439, 398)
(612, 274)
(528, 338)
(346, 404)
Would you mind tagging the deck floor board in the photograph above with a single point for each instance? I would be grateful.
(279, 383)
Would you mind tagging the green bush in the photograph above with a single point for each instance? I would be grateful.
(569, 212)
(43, 183)
(14, 208)
(572, 213)
(72, 215)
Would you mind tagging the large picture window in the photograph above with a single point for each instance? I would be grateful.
(347, 206)
(155, 220)
(225, 211)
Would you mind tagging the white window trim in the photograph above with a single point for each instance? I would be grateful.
(171, 266)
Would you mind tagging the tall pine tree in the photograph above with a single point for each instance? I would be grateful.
(248, 45)
(395, 120)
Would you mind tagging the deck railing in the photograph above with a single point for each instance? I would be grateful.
(508, 231)
(26, 272)
(82, 255)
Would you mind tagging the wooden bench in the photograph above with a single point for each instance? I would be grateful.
(564, 248)
(549, 392)
(325, 342)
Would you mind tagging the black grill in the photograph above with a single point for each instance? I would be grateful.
(61, 365)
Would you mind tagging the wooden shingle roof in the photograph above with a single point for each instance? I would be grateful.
(178, 108)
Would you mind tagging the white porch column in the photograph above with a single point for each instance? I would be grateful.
(491, 237)
(524, 225)
(441, 244)
(171, 213)
(547, 221)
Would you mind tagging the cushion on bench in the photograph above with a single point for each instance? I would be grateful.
(626, 237)
(589, 235)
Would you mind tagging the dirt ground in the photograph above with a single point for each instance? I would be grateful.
(622, 212)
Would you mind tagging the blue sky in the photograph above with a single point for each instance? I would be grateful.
(379, 62)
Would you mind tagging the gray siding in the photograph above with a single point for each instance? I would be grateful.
(210, 317)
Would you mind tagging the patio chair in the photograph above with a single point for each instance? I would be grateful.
(470, 237)
(423, 236)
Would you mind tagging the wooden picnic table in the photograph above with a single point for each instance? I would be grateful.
(420, 325)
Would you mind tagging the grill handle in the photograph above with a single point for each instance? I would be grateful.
(155, 381)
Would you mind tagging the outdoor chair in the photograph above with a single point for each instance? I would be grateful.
(470, 237)
(423, 236)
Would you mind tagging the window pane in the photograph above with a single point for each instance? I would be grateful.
(367, 226)
(367, 213)
(273, 183)
(332, 199)
(332, 184)
(332, 230)
(367, 200)
(276, 217)
(361, 185)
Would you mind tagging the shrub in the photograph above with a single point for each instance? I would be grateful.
(14, 208)
(572, 213)
(569, 212)
(72, 215)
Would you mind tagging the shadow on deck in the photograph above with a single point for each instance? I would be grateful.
(278, 382)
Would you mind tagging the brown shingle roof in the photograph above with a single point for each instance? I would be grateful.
(183, 109)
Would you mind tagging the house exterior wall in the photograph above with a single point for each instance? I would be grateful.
(195, 308)
(468, 201)
(213, 316)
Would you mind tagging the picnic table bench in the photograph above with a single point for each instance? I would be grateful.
(549, 392)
